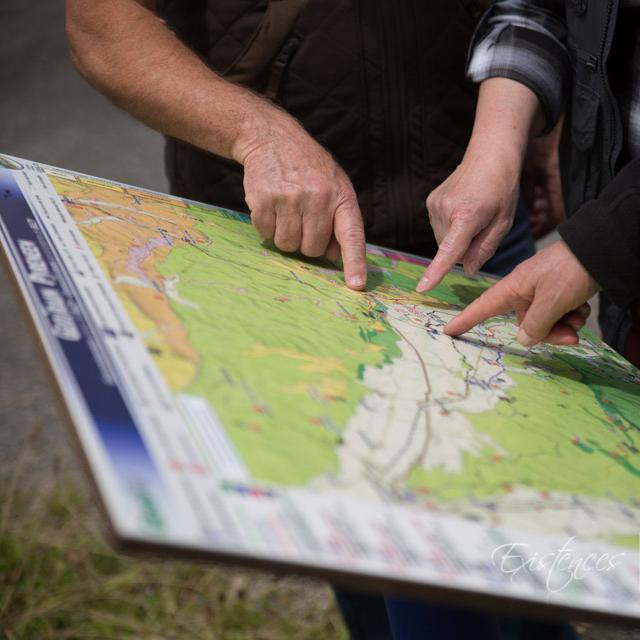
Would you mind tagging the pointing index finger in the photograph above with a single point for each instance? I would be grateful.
(495, 301)
(349, 233)
(452, 248)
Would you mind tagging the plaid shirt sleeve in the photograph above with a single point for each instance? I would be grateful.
(525, 41)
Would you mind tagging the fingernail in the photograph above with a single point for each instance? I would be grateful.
(525, 339)
(423, 285)
(356, 281)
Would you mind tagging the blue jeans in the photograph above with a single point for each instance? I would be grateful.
(516, 246)
(370, 617)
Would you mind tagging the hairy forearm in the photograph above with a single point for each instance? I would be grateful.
(126, 52)
(297, 195)
(508, 113)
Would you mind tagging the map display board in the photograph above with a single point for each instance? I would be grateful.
(238, 404)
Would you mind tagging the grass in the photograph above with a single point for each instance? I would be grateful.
(59, 579)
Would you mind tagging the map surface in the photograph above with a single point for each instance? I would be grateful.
(360, 394)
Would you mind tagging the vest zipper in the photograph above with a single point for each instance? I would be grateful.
(278, 66)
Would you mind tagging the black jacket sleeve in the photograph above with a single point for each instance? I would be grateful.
(604, 234)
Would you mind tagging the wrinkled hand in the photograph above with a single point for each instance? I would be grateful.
(301, 199)
(548, 292)
(541, 184)
(471, 212)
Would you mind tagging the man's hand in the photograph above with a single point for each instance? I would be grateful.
(471, 212)
(300, 198)
(296, 192)
(541, 185)
(548, 293)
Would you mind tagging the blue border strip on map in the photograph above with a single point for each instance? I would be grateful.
(60, 311)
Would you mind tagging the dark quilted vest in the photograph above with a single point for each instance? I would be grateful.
(379, 83)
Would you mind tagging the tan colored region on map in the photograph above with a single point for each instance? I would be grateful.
(327, 388)
(130, 232)
(312, 363)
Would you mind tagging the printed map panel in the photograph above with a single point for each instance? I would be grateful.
(360, 394)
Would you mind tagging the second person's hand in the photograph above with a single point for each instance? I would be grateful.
(471, 212)
(473, 209)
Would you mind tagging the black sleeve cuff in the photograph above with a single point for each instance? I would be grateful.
(604, 235)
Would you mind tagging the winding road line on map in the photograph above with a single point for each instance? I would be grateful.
(427, 422)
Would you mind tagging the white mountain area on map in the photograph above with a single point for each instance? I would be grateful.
(422, 421)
